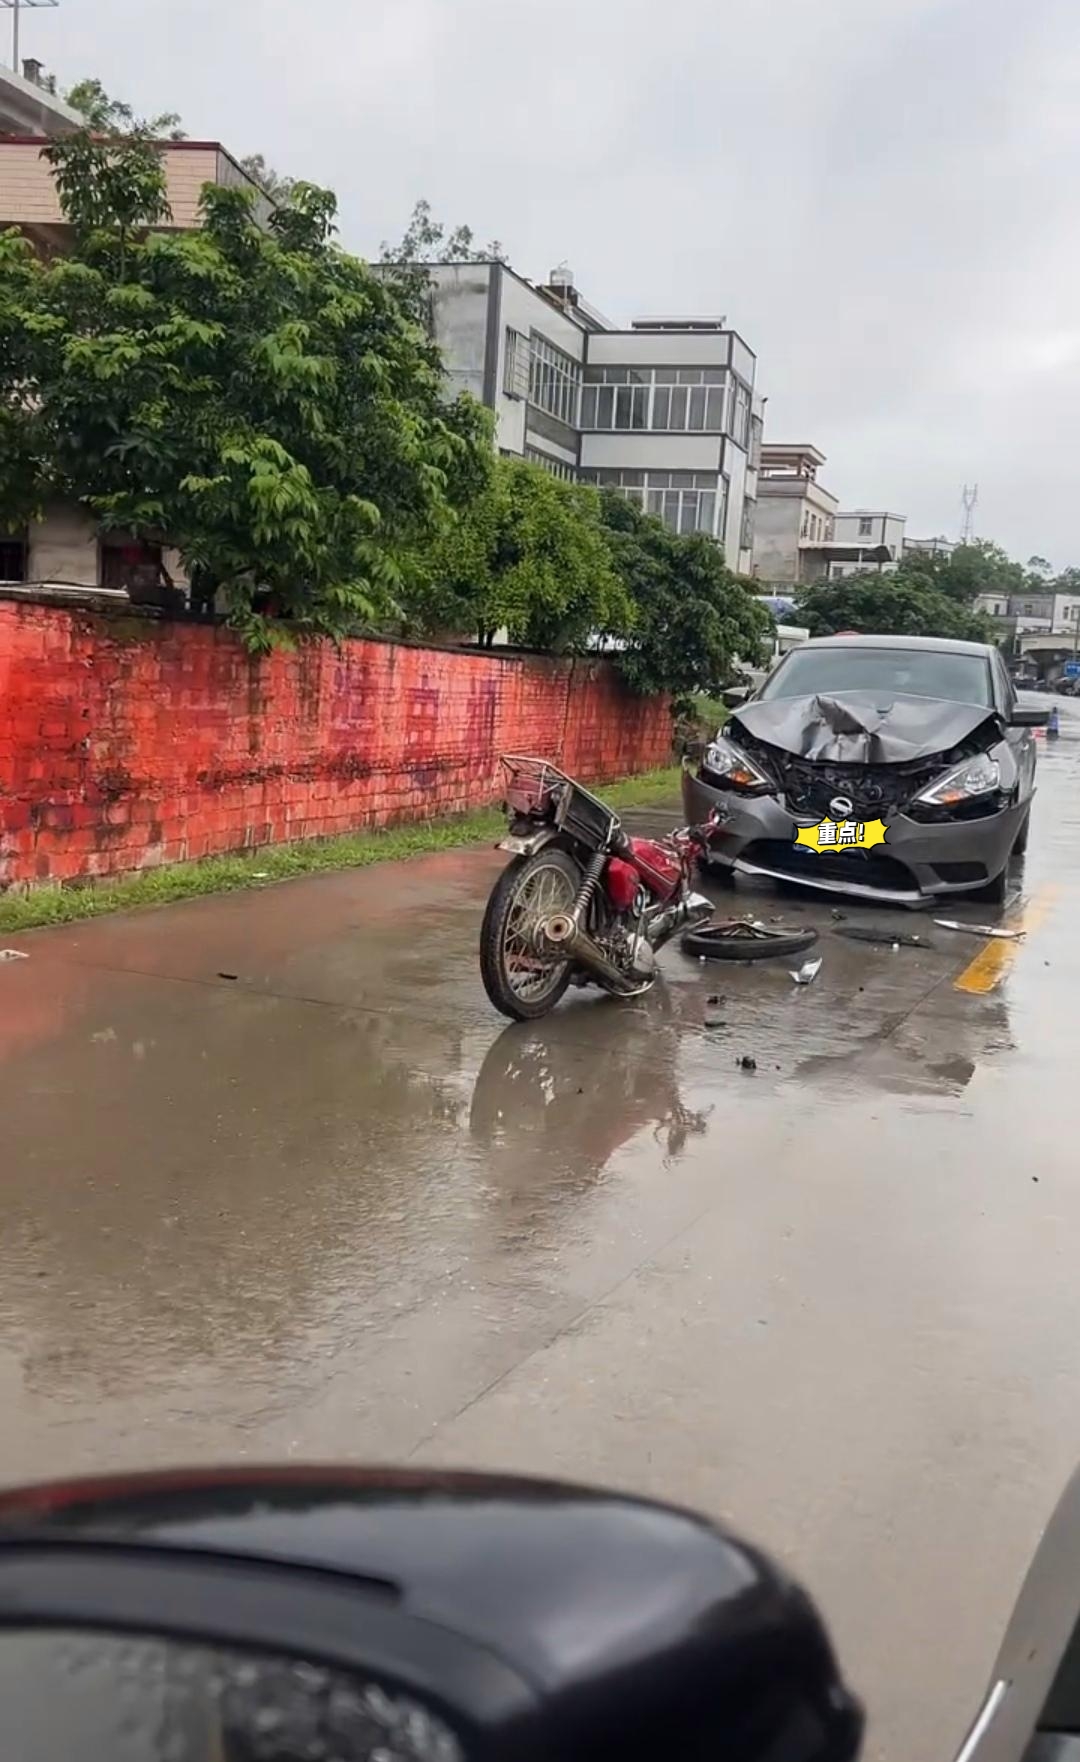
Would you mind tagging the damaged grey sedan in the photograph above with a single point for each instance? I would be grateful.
(911, 756)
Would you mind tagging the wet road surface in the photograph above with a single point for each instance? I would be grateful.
(277, 1183)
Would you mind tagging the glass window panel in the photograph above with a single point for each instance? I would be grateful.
(605, 406)
(639, 414)
(722, 521)
(637, 478)
(637, 496)
(683, 479)
(659, 479)
(615, 375)
(661, 407)
(706, 510)
(671, 508)
(588, 405)
(714, 414)
(654, 503)
(688, 512)
(697, 407)
(622, 407)
(689, 375)
(678, 407)
(714, 375)
(665, 376)
(593, 375)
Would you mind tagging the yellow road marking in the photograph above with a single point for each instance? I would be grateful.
(990, 965)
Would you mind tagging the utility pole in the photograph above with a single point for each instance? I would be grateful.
(15, 8)
(969, 497)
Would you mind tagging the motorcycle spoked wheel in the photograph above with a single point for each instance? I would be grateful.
(738, 939)
(522, 981)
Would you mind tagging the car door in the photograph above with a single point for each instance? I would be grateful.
(1021, 740)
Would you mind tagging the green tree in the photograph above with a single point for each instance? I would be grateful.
(427, 240)
(528, 556)
(110, 116)
(979, 567)
(278, 187)
(112, 184)
(691, 617)
(256, 398)
(898, 604)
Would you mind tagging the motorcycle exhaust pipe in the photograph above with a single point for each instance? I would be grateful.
(565, 937)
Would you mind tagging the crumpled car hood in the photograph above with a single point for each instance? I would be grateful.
(861, 727)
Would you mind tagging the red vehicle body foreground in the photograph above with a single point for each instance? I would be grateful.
(580, 903)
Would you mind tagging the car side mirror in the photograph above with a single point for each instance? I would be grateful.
(736, 695)
(441, 1617)
(1025, 716)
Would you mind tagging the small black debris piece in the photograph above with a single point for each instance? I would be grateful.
(747, 1062)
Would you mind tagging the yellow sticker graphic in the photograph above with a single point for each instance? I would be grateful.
(842, 835)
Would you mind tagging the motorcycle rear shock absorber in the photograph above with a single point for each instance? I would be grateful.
(589, 883)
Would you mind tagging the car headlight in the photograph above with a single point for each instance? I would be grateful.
(973, 777)
(728, 765)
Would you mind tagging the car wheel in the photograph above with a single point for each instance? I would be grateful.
(1021, 843)
(994, 891)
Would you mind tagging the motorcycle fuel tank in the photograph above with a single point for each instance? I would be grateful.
(621, 884)
(658, 866)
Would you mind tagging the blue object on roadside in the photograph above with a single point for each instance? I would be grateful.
(1053, 726)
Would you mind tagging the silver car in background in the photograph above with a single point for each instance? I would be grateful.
(924, 734)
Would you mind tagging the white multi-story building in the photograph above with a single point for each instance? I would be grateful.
(663, 411)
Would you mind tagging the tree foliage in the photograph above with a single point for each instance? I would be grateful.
(110, 116)
(427, 240)
(256, 398)
(691, 618)
(278, 187)
(528, 556)
(906, 602)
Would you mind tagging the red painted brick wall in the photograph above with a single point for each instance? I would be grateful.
(126, 743)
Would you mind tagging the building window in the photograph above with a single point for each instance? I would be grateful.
(556, 467)
(12, 559)
(746, 533)
(866, 526)
(805, 532)
(686, 501)
(516, 365)
(554, 380)
(671, 400)
(740, 416)
(132, 563)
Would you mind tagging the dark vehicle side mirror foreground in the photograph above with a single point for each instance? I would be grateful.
(736, 695)
(289, 1614)
(1028, 716)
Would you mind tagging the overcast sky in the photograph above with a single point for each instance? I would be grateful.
(882, 195)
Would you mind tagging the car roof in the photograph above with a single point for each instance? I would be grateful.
(942, 645)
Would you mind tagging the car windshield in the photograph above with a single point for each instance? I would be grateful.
(936, 673)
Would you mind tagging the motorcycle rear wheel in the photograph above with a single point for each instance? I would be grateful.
(519, 978)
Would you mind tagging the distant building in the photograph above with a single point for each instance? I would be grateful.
(663, 411)
(66, 546)
(801, 532)
(934, 547)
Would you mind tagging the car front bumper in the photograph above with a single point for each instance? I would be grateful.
(756, 836)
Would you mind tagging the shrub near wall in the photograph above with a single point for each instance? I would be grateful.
(127, 743)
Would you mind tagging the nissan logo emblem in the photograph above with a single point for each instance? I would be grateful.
(840, 807)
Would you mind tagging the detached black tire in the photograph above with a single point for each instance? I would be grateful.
(718, 944)
(520, 1003)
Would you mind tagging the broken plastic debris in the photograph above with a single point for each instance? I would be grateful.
(713, 1011)
(13, 954)
(808, 972)
(980, 929)
(747, 1062)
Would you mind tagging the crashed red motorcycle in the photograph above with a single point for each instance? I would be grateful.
(580, 903)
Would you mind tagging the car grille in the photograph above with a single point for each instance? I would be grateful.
(853, 867)
(874, 791)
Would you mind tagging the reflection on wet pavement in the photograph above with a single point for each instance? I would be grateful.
(335, 1207)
